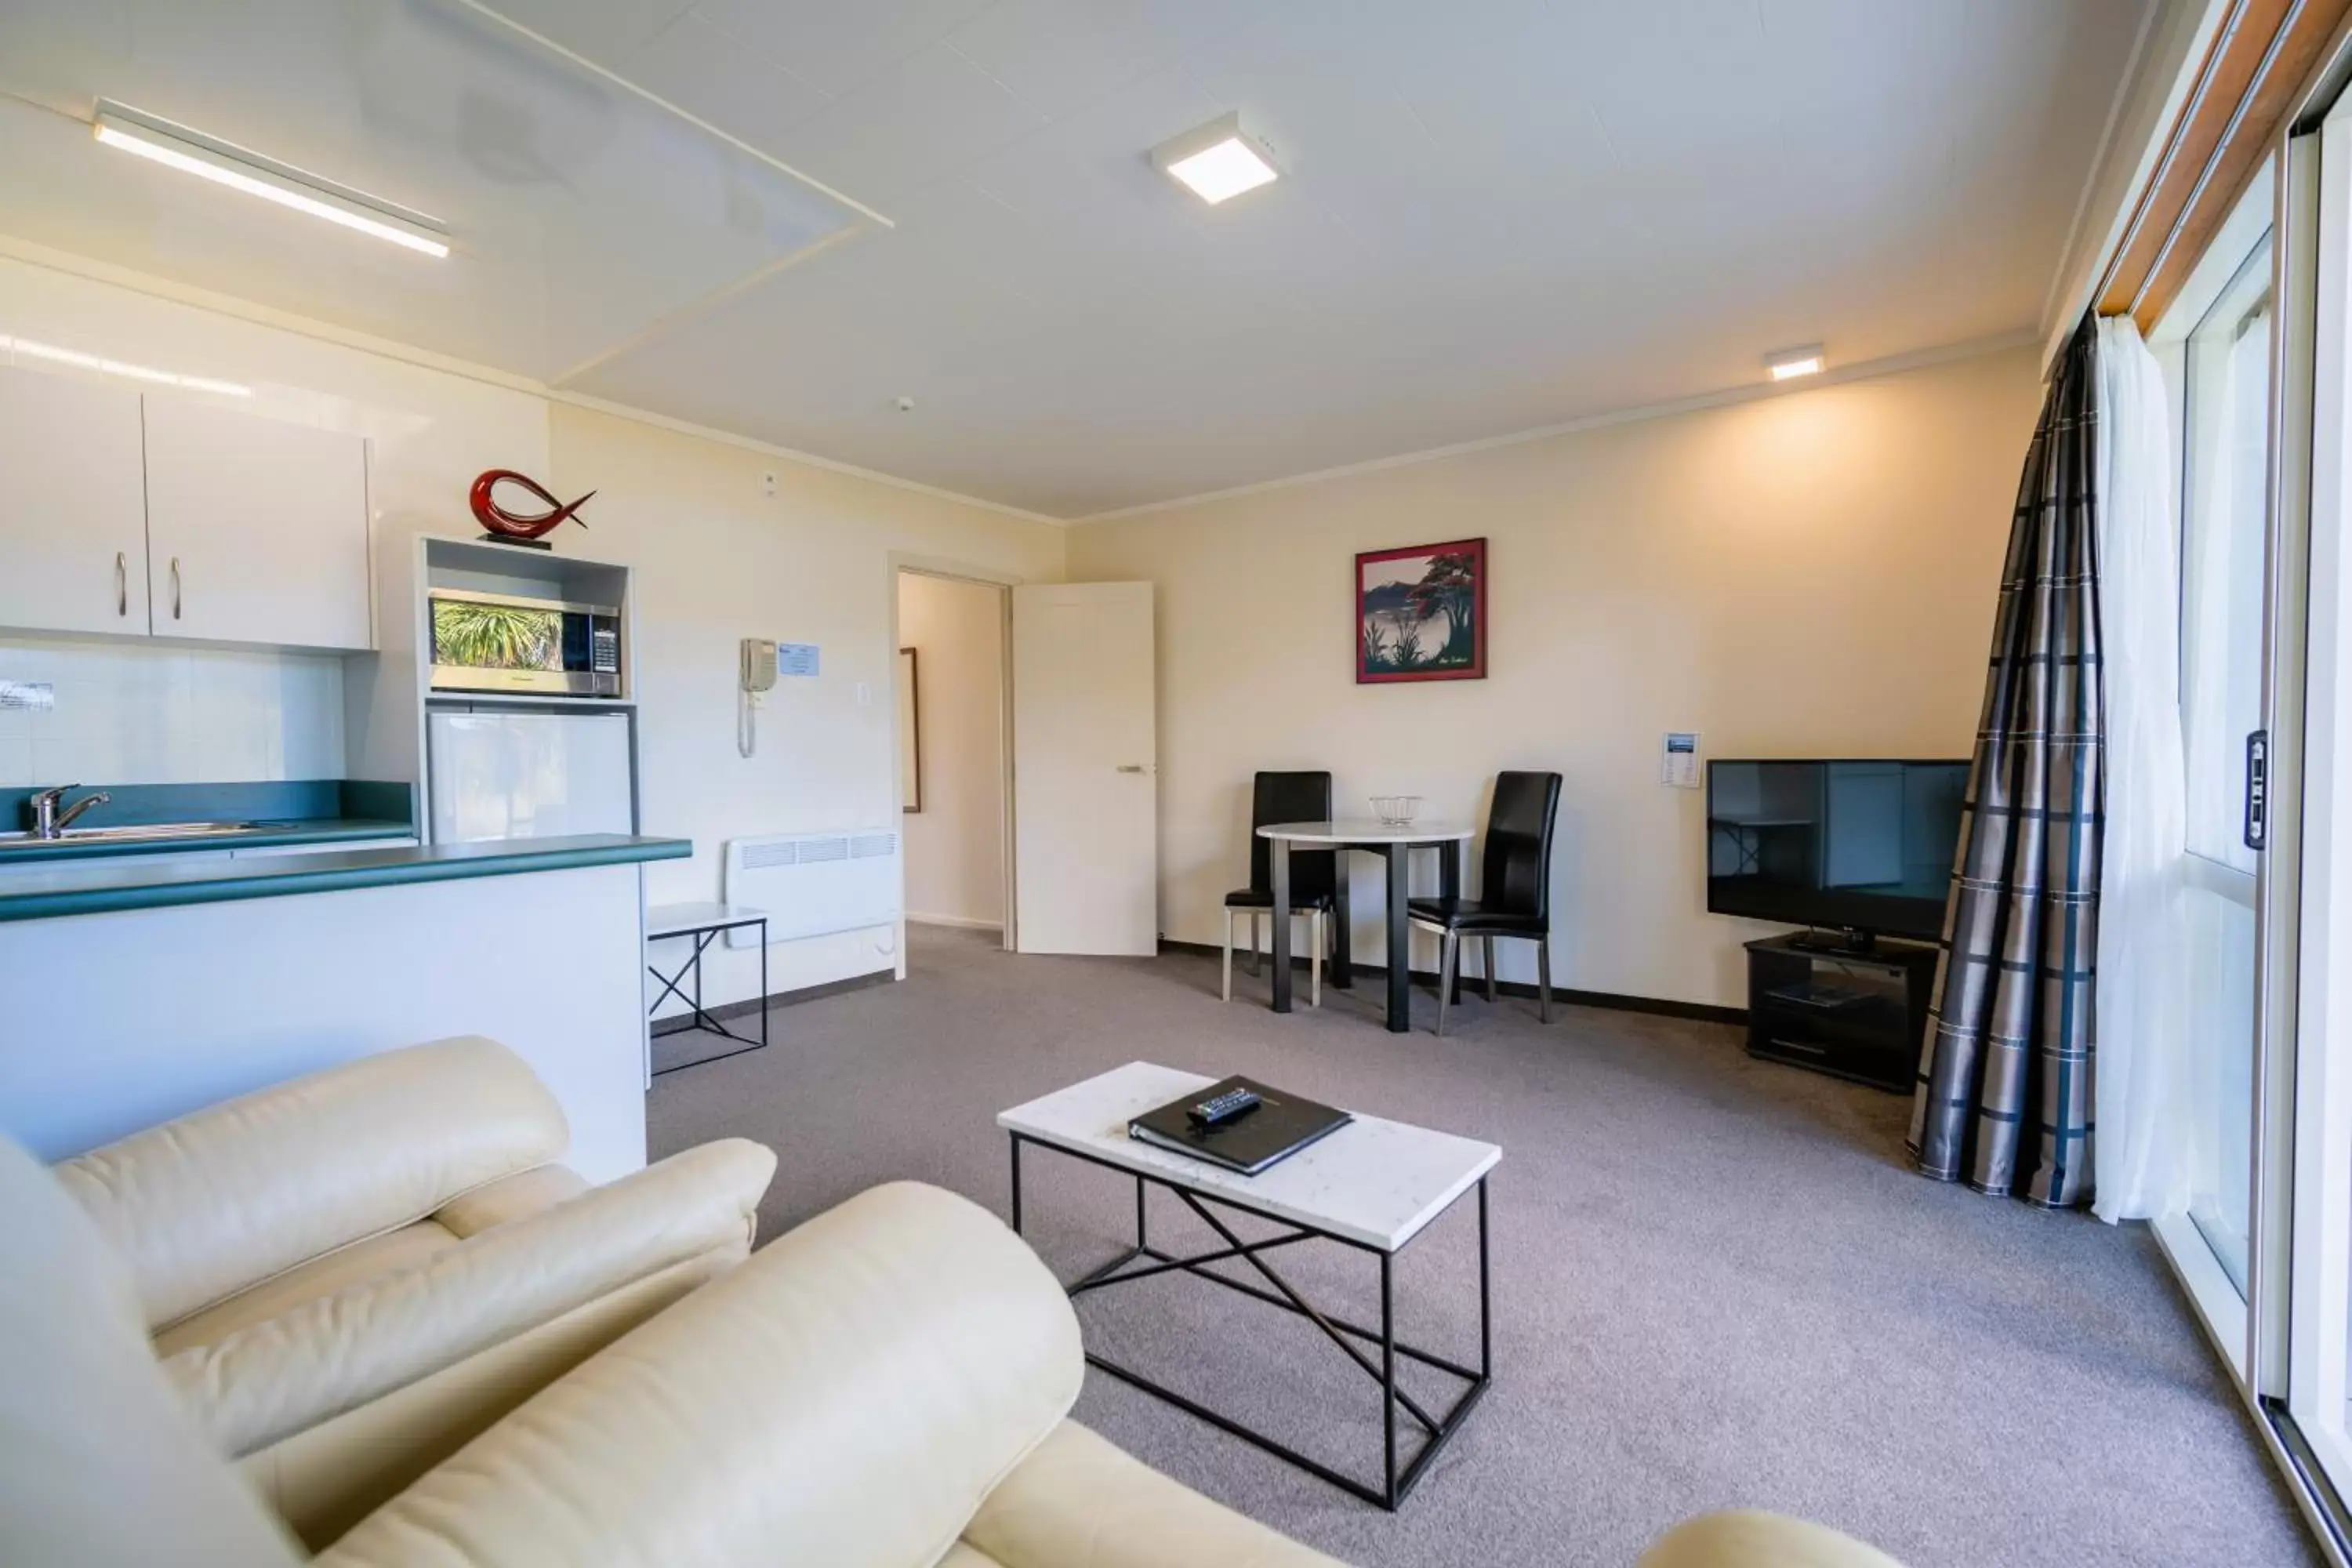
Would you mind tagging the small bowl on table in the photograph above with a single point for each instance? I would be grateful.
(1396, 810)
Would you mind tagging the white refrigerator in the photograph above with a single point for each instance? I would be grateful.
(530, 775)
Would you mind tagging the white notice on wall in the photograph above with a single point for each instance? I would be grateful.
(1678, 765)
(797, 658)
(37, 695)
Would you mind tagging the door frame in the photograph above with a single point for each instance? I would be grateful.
(901, 564)
(2302, 1370)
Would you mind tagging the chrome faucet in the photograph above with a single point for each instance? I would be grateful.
(49, 822)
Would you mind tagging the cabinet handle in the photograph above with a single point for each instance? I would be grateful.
(175, 587)
(122, 584)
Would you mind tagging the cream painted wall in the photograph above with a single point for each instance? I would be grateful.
(1812, 573)
(955, 845)
(717, 560)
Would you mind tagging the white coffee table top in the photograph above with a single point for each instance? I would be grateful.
(1366, 830)
(1374, 1181)
(680, 919)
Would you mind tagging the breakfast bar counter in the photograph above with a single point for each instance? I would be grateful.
(77, 887)
(140, 991)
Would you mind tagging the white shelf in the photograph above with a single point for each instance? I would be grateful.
(552, 568)
(435, 697)
(440, 561)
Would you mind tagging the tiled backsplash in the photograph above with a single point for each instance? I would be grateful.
(145, 713)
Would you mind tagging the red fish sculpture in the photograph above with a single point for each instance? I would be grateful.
(499, 521)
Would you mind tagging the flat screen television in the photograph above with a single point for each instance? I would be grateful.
(1860, 847)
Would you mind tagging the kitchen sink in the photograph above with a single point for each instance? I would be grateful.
(145, 833)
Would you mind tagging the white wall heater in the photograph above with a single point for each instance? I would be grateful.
(811, 884)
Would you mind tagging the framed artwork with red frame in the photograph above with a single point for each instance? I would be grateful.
(1420, 612)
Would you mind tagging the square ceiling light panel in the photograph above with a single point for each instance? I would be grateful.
(1217, 161)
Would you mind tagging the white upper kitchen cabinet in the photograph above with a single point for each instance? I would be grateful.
(73, 521)
(256, 530)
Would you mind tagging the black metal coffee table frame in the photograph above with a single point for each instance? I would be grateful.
(1396, 1484)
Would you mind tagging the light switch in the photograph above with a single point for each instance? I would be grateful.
(1678, 760)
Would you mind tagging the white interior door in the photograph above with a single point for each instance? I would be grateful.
(1085, 770)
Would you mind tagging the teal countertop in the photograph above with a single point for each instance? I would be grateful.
(314, 811)
(82, 889)
(258, 836)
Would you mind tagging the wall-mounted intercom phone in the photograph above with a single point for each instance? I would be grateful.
(759, 664)
(759, 674)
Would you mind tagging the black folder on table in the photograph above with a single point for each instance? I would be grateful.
(1282, 1125)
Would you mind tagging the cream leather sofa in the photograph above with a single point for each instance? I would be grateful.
(349, 1275)
(886, 1386)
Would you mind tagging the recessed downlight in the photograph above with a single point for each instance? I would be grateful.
(223, 164)
(1217, 161)
(1790, 364)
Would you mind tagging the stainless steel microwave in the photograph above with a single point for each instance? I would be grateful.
(501, 642)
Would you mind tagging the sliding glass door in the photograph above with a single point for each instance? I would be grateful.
(2258, 353)
(2216, 345)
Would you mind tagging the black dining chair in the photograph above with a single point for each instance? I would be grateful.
(1514, 893)
(1287, 797)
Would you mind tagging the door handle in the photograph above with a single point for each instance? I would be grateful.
(175, 587)
(2258, 790)
(122, 584)
(1133, 768)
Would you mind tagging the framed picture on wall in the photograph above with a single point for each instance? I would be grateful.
(1420, 612)
(910, 735)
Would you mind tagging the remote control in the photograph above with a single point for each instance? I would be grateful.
(1223, 1108)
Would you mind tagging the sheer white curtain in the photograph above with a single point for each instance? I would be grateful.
(2141, 1083)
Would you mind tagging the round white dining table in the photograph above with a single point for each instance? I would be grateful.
(1394, 843)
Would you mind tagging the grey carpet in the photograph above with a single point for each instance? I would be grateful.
(1716, 1281)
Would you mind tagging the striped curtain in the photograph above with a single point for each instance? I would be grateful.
(2004, 1095)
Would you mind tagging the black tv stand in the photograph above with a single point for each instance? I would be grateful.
(1855, 1012)
(1814, 938)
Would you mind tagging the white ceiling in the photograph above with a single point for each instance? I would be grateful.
(580, 212)
(1495, 215)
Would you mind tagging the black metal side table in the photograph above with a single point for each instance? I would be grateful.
(704, 924)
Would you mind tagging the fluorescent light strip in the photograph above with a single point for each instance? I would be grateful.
(206, 164)
(26, 348)
(1796, 367)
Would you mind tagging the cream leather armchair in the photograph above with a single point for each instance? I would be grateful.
(347, 1277)
(886, 1386)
